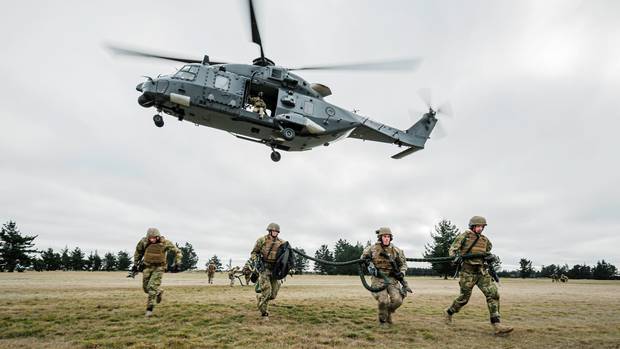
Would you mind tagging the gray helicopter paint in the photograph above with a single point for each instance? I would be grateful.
(215, 97)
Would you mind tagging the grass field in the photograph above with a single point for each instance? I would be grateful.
(98, 310)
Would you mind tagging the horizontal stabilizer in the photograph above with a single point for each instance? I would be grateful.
(406, 152)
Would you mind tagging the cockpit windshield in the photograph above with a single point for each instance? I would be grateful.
(188, 72)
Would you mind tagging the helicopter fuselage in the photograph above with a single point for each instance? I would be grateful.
(218, 96)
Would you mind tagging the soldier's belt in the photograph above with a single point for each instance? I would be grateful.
(472, 268)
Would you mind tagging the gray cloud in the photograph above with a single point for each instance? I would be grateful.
(532, 145)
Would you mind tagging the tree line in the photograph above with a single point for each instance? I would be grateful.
(17, 253)
(601, 271)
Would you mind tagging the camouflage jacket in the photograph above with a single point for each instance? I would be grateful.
(168, 246)
(257, 102)
(374, 252)
(266, 248)
(461, 244)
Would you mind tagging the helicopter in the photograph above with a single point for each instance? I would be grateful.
(269, 104)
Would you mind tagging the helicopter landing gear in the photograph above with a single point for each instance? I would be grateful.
(158, 120)
(275, 156)
(288, 134)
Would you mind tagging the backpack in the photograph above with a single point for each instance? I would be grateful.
(285, 261)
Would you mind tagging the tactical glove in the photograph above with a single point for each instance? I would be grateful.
(399, 275)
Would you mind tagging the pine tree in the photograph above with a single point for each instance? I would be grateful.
(65, 259)
(445, 233)
(325, 254)
(189, 259)
(109, 262)
(123, 261)
(343, 252)
(301, 263)
(97, 262)
(77, 259)
(15, 249)
(526, 268)
(51, 259)
(604, 270)
(216, 260)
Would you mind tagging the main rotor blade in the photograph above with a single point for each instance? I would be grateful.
(135, 53)
(388, 65)
(255, 33)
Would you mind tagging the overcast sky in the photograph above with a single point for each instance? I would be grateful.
(533, 145)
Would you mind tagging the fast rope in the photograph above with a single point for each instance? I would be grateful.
(362, 265)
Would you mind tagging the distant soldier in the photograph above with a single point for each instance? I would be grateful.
(232, 274)
(390, 260)
(258, 105)
(564, 278)
(264, 254)
(555, 277)
(474, 273)
(211, 271)
(247, 271)
(152, 251)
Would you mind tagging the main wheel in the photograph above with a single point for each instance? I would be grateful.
(288, 134)
(275, 156)
(158, 120)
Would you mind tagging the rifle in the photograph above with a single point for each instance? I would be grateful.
(398, 275)
(135, 269)
(490, 262)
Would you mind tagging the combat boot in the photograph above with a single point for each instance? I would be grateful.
(389, 318)
(447, 317)
(264, 316)
(501, 330)
(149, 311)
(160, 296)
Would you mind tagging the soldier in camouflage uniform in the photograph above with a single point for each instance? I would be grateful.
(232, 273)
(258, 105)
(152, 251)
(474, 273)
(380, 253)
(211, 272)
(265, 250)
(555, 277)
(247, 271)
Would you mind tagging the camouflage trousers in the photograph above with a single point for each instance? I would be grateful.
(389, 299)
(151, 280)
(210, 276)
(483, 280)
(269, 287)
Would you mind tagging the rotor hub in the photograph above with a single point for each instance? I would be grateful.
(263, 62)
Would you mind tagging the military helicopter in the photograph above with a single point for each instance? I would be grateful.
(295, 117)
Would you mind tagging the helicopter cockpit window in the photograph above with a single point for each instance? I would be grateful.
(222, 82)
(188, 72)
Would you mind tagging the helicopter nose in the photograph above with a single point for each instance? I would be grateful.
(139, 87)
(146, 100)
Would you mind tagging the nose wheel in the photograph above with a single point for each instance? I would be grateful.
(275, 156)
(158, 120)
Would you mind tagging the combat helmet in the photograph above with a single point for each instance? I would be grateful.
(273, 226)
(384, 231)
(477, 220)
(153, 233)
